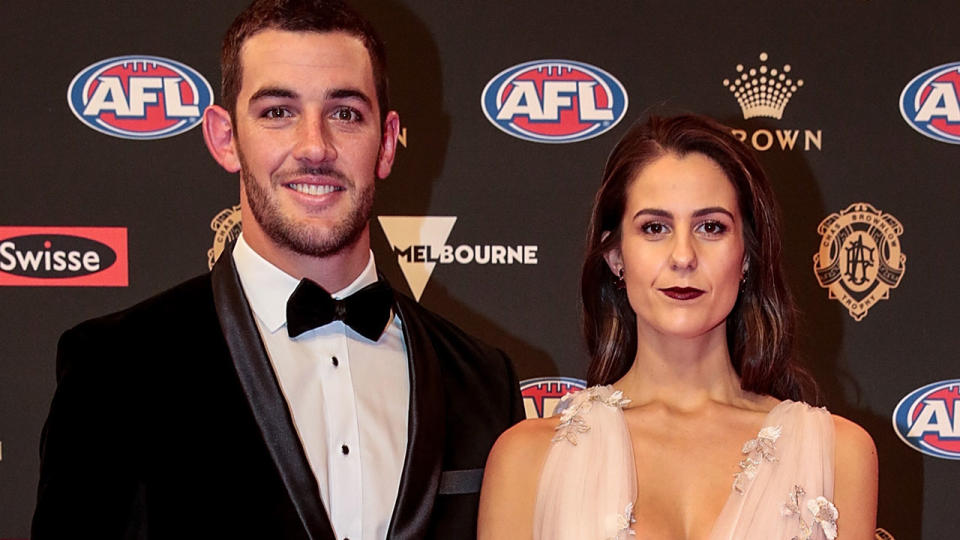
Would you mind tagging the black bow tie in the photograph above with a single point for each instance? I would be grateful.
(366, 311)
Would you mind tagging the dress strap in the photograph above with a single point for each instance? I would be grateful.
(588, 484)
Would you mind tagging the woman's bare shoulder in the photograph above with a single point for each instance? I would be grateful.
(855, 478)
(852, 439)
(511, 478)
(524, 440)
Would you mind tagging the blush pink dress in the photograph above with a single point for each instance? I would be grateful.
(783, 490)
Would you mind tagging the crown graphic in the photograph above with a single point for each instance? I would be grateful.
(762, 91)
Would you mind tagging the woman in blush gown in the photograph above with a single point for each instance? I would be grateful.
(694, 426)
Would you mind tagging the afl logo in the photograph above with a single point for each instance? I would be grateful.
(554, 101)
(928, 419)
(541, 395)
(930, 103)
(139, 97)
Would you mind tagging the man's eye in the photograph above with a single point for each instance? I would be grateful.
(346, 114)
(276, 112)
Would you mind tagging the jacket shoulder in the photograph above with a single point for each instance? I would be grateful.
(175, 306)
(441, 331)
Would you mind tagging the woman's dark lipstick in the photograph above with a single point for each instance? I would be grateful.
(682, 293)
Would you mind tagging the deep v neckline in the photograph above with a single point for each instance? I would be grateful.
(734, 495)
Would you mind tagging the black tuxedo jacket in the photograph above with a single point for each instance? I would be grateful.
(168, 422)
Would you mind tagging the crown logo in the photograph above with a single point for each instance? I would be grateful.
(762, 91)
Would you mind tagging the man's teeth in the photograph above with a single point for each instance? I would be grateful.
(314, 189)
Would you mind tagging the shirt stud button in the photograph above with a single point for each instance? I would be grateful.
(345, 449)
(335, 361)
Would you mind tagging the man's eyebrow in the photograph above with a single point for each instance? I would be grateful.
(272, 92)
(350, 93)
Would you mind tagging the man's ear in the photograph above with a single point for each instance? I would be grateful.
(614, 256)
(220, 139)
(388, 144)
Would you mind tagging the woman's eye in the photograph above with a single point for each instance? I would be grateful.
(713, 227)
(654, 228)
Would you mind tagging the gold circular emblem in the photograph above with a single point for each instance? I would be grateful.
(860, 259)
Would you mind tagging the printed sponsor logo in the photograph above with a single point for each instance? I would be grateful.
(541, 395)
(928, 419)
(554, 101)
(860, 258)
(63, 256)
(420, 243)
(139, 97)
(930, 103)
(226, 228)
(764, 92)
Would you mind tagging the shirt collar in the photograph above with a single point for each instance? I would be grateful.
(267, 287)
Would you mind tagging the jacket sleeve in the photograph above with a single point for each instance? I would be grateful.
(87, 450)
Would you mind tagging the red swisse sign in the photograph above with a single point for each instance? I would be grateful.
(63, 256)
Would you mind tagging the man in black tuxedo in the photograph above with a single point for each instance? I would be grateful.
(249, 402)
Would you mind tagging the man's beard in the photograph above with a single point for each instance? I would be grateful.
(300, 238)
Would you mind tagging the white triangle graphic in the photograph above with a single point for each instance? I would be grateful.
(405, 231)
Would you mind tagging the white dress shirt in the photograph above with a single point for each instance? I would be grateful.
(348, 396)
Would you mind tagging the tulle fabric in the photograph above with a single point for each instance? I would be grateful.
(805, 452)
(585, 488)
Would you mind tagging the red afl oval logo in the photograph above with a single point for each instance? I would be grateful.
(928, 419)
(139, 97)
(554, 101)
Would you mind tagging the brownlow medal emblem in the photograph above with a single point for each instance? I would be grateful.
(860, 258)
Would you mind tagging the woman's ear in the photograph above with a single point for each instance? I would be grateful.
(613, 256)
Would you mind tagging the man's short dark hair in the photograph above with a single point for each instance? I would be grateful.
(298, 16)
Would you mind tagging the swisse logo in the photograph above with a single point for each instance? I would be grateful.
(764, 92)
(554, 101)
(542, 394)
(928, 419)
(63, 256)
(139, 97)
(930, 103)
(420, 243)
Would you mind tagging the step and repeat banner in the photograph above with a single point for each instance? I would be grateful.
(508, 111)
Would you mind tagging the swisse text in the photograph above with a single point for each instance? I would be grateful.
(54, 256)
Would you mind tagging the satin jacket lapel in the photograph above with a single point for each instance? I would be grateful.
(266, 399)
(425, 434)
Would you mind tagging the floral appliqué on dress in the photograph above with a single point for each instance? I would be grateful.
(574, 406)
(824, 514)
(572, 409)
(757, 451)
(624, 521)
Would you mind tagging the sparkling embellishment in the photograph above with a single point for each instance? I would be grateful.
(624, 521)
(757, 451)
(825, 514)
(574, 406)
